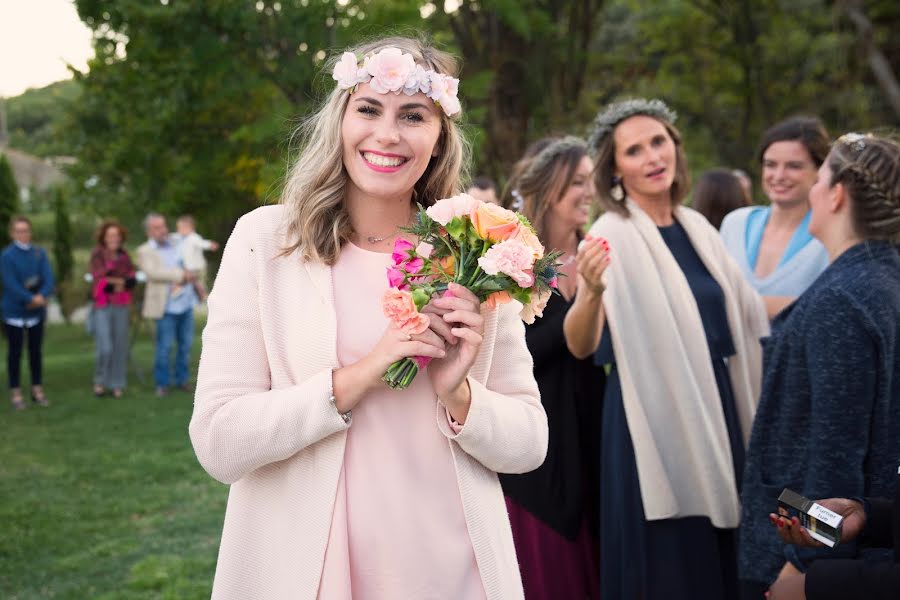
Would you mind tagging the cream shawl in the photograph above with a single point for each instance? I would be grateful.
(668, 387)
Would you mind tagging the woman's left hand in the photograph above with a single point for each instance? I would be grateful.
(448, 375)
(791, 587)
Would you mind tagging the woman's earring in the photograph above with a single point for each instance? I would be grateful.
(617, 193)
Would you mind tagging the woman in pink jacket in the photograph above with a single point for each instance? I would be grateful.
(341, 487)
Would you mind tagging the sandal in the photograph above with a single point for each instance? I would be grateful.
(117, 393)
(38, 396)
(16, 399)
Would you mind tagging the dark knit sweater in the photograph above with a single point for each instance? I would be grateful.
(828, 422)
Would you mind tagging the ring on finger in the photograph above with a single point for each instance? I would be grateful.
(408, 337)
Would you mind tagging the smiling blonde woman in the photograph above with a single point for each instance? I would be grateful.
(340, 486)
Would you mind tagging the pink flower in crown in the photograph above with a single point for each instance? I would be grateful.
(389, 69)
(444, 211)
(401, 251)
(424, 249)
(346, 71)
(444, 90)
(510, 257)
(418, 81)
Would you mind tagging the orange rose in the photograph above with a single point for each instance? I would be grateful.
(447, 265)
(400, 309)
(527, 237)
(498, 298)
(494, 223)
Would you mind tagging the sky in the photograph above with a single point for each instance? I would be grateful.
(37, 39)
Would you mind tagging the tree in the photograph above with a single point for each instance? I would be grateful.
(62, 251)
(9, 199)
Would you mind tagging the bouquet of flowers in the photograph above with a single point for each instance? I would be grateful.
(483, 247)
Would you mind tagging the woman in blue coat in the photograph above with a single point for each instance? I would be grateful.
(828, 422)
(27, 284)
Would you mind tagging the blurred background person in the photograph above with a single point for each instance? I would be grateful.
(772, 244)
(484, 189)
(680, 326)
(191, 246)
(717, 193)
(746, 184)
(510, 198)
(113, 281)
(27, 284)
(553, 510)
(828, 422)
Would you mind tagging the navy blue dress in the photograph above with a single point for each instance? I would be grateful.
(670, 559)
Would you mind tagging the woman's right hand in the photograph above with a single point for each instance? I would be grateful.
(353, 382)
(791, 532)
(592, 260)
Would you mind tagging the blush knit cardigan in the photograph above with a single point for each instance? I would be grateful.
(263, 422)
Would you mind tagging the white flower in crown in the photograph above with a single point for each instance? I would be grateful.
(443, 91)
(419, 81)
(346, 71)
(389, 69)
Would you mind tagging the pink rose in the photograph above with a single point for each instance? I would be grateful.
(396, 277)
(418, 81)
(346, 70)
(414, 266)
(399, 308)
(444, 90)
(401, 251)
(444, 211)
(512, 258)
(424, 249)
(389, 69)
(536, 307)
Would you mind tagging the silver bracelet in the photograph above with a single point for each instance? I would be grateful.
(345, 416)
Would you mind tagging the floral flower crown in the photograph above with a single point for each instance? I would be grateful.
(391, 70)
(617, 112)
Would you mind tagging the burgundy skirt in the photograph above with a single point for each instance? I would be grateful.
(553, 566)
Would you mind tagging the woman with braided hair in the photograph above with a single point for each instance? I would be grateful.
(828, 422)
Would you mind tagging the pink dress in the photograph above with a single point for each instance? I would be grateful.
(398, 529)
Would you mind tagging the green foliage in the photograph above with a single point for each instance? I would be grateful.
(62, 254)
(9, 199)
(35, 119)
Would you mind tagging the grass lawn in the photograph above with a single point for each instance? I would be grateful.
(103, 498)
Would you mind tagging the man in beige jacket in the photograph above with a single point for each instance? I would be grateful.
(159, 259)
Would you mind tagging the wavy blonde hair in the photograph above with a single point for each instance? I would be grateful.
(317, 221)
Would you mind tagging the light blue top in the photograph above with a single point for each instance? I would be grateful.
(187, 299)
(803, 261)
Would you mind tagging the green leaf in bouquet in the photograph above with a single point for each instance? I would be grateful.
(524, 221)
(523, 295)
(456, 228)
(424, 225)
(421, 296)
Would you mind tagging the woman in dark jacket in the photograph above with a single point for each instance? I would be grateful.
(552, 509)
(828, 422)
(27, 285)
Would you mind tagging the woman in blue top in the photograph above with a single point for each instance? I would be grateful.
(772, 244)
(27, 283)
(828, 421)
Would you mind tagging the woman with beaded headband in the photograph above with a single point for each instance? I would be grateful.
(340, 486)
(553, 510)
(828, 423)
(772, 244)
(680, 327)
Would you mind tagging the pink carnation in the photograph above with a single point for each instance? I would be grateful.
(399, 308)
(390, 69)
(510, 257)
(444, 211)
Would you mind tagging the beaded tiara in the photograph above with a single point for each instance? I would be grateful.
(615, 113)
